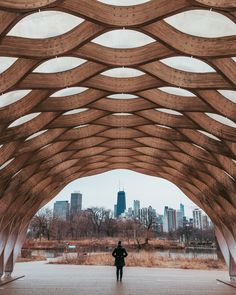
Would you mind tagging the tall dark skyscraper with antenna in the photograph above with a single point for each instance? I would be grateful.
(121, 203)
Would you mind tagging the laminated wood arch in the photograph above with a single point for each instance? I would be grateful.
(165, 121)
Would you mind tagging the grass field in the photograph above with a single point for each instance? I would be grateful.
(143, 259)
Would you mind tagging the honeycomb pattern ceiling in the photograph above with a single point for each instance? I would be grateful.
(89, 86)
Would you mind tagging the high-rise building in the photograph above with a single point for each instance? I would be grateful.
(75, 203)
(171, 213)
(121, 203)
(205, 222)
(181, 208)
(144, 215)
(154, 212)
(130, 212)
(137, 208)
(190, 222)
(172, 219)
(197, 218)
(61, 210)
(159, 223)
(179, 219)
(150, 216)
(165, 220)
(185, 221)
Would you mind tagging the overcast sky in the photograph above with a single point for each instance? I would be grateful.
(101, 190)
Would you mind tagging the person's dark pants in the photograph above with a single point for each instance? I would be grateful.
(119, 272)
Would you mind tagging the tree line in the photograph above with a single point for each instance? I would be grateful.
(99, 222)
(93, 222)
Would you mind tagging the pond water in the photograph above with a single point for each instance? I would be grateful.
(186, 253)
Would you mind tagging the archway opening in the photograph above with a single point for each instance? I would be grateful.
(156, 220)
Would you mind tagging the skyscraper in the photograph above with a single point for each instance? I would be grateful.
(179, 219)
(159, 224)
(181, 208)
(205, 222)
(75, 203)
(121, 203)
(61, 210)
(197, 218)
(137, 208)
(171, 213)
(144, 215)
(180, 216)
(165, 220)
(130, 212)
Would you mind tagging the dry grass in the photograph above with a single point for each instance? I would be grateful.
(33, 258)
(143, 259)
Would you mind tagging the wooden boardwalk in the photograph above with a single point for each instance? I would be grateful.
(45, 279)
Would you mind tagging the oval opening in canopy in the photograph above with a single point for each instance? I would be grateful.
(81, 126)
(198, 146)
(45, 24)
(229, 94)
(23, 120)
(75, 111)
(35, 134)
(124, 3)
(59, 64)
(45, 146)
(6, 163)
(163, 126)
(169, 111)
(13, 96)
(122, 73)
(209, 135)
(122, 114)
(202, 23)
(176, 91)
(187, 64)
(221, 119)
(122, 96)
(69, 91)
(6, 63)
(123, 39)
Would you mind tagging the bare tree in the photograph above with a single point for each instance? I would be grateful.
(41, 224)
(97, 215)
(81, 225)
(139, 231)
(128, 228)
(60, 229)
(149, 222)
(109, 224)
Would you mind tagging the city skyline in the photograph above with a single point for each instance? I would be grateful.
(169, 222)
(149, 190)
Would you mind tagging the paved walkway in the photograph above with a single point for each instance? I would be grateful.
(46, 279)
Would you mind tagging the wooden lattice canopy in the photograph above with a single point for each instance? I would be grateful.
(174, 122)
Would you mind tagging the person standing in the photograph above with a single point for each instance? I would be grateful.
(119, 253)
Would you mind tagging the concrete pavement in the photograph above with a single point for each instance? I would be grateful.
(45, 279)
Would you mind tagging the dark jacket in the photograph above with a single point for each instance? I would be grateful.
(119, 253)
